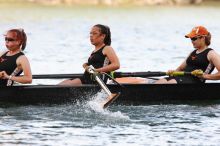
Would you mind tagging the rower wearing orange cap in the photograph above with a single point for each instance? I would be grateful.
(202, 58)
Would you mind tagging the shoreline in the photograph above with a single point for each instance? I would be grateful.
(118, 3)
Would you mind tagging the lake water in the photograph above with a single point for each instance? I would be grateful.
(145, 39)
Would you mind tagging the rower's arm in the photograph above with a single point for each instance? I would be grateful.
(214, 58)
(113, 58)
(182, 66)
(23, 64)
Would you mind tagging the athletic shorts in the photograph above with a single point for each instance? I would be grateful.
(88, 78)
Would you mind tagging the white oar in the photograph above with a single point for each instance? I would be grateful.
(111, 96)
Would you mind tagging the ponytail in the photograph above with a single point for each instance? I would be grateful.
(208, 39)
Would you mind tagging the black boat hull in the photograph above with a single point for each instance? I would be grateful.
(130, 94)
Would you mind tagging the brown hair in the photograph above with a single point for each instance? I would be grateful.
(21, 35)
(208, 39)
(105, 30)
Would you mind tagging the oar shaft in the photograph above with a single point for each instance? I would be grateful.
(138, 74)
(57, 76)
(103, 86)
(117, 75)
(100, 82)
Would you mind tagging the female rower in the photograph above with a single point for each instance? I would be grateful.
(13, 62)
(103, 58)
(202, 58)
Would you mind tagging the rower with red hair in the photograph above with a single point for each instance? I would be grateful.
(13, 61)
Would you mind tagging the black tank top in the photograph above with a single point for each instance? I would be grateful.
(8, 64)
(98, 59)
(199, 61)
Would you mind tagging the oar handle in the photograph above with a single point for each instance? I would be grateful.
(90, 69)
(182, 73)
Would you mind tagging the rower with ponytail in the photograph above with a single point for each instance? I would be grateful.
(103, 57)
(13, 61)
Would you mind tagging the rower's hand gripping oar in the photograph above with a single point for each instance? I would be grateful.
(111, 96)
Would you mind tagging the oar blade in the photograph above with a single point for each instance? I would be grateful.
(110, 99)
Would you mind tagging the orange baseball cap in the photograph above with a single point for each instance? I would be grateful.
(197, 31)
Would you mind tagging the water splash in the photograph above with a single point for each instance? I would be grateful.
(96, 105)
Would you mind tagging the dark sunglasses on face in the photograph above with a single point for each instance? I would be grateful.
(195, 38)
(9, 39)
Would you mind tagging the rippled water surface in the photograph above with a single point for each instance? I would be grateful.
(119, 125)
(147, 38)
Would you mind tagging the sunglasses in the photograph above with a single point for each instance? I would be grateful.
(9, 39)
(195, 38)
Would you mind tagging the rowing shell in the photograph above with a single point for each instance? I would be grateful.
(132, 94)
